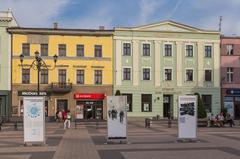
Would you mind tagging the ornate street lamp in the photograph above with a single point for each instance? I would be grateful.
(38, 64)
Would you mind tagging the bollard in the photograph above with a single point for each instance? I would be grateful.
(15, 126)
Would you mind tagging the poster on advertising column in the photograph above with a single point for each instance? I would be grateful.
(34, 120)
(117, 117)
(187, 117)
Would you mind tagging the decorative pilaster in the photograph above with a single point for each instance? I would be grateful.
(118, 63)
(135, 71)
(179, 69)
(158, 52)
(216, 59)
(200, 53)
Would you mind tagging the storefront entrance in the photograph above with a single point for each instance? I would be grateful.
(167, 105)
(232, 104)
(62, 104)
(91, 109)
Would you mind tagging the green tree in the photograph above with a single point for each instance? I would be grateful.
(201, 108)
(118, 93)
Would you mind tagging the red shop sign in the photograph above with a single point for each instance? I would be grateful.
(88, 96)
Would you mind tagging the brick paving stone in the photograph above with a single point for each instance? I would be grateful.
(76, 144)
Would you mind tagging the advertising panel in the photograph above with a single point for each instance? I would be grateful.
(34, 119)
(117, 117)
(79, 111)
(187, 117)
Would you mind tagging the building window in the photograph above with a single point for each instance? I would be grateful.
(189, 50)
(126, 49)
(168, 50)
(146, 102)
(146, 73)
(25, 76)
(44, 76)
(229, 49)
(98, 51)
(80, 50)
(80, 76)
(98, 76)
(126, 73)
(26, 49)
(146, 49)
(44, 49)
(207, 102)
(62, 49)
(62, 76)
(129, 101)
(168, 74)
(230, 74)
(189, 75)
(208, 51)
(208, 75)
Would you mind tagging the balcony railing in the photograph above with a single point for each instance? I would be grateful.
(61, 87)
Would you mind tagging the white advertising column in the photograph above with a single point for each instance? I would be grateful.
(34, 120)
(117, 118)
(187, 117)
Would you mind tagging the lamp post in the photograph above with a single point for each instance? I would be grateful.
(38, 64)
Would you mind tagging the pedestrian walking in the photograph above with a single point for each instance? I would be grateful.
(67, 119)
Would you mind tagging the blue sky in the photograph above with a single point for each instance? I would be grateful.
(110, 13)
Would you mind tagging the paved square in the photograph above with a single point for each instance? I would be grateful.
(88, 142)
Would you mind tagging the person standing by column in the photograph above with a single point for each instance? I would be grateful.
(69, 115)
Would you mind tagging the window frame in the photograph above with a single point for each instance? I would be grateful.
(231, 51)
(127, 49)
(186, 50)
(59, 81)
(24, 48)
(210, 76)
(80, 51)
(98, 51)
(166, 53)
(145, 102)
(149, 73)
(188, 69)
(60, 50)
(98, 75)
(130, 73)
(230, 74)
(129, 95)
(144, 49)
(207, 55)
(211, 103)
(43, 53)
(165, 74)
(44, 77)
(80, 73)
(25, 74)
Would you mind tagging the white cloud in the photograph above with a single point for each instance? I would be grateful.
(148, 8)
(35, 13)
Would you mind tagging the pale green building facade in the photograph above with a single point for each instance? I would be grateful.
(6, 20)
(156, 63)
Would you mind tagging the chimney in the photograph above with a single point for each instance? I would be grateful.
(101, 28)
(55, 25)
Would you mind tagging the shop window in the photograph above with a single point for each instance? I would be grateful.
(129, 101)
(146, 102)
(207, 102)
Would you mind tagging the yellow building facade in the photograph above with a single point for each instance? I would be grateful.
(80, 79)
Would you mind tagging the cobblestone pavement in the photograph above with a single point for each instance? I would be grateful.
(88, 142)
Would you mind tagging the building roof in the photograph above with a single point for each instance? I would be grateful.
(60, 31)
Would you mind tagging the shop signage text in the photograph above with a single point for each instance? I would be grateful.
(233, 91)
(33, 93)
(88, 96)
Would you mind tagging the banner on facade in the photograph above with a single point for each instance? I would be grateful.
(187, 117)
(34, 119)
(117, 117)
